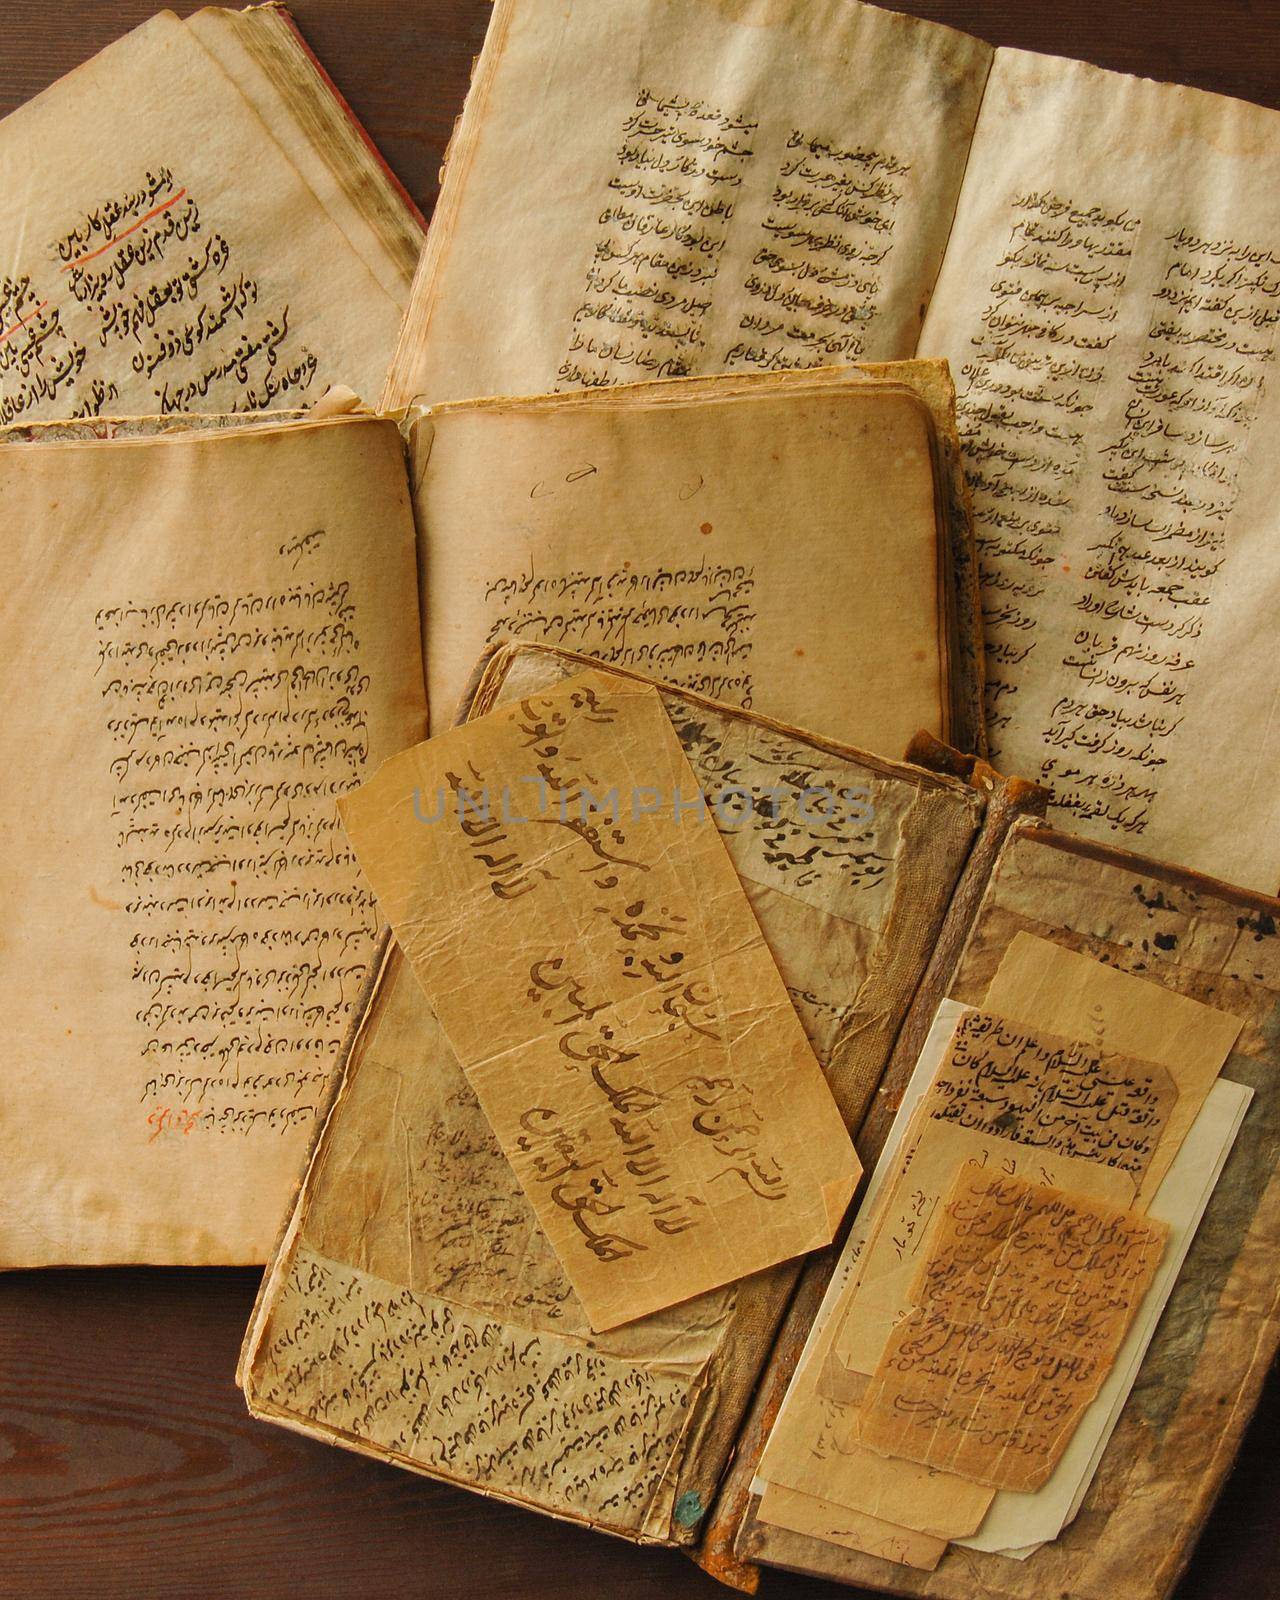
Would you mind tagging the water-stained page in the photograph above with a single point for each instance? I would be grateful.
(556, 880)
(1020, 1307)
(1109, 303)
(1052, 1093)
(778, 546)
(745, 186)
(163, 253)
(215, 636)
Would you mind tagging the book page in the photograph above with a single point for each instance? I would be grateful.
(779, 545)
(559, 886)
(214, 634)
(1109, 303)
(732, 185)
(180, 264)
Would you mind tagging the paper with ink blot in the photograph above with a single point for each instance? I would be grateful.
(1021, 1305)
(606, 987)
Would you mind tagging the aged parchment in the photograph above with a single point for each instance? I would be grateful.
(1109, 302)
(1019, 1308)
(750, 186)
(185, 262)
(1064, 991)
(559, 886)
(211, 638)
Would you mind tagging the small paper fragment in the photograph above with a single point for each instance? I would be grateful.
(1020, 1306)
(1044, 985)
(570, 910)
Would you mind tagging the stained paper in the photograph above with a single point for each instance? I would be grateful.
(562, 893)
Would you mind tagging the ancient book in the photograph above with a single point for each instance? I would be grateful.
(225, 624)
(1086, 1031)
(198, 223)
(1098, 256)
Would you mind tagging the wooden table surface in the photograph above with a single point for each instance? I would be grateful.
(128, 1465)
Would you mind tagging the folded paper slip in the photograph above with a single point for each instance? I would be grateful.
(558, 884)
(198, 223)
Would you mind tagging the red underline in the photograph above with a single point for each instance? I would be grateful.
(111, 243)
(22, 321)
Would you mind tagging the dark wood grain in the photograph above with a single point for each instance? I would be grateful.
(128, 1466)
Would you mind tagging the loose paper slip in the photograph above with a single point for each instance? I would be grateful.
(1017, 1524)
(1020, 1307)
(573, 916)
(1041, 985)
(1015, 1101)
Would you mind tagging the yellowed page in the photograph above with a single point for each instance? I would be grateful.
(563, 895)
(1108, 303)
(179, 262)
(747, 185)
(1021, 1305)
(259, 50)
(779, 547)
(1002, 1101)
(215, 636)
(1018, 1520)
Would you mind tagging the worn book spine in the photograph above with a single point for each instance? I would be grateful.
(727, 1548)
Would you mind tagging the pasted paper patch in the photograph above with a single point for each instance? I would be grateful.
(573, 916)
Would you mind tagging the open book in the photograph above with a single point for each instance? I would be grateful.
(233, 609)
(416, 1311)
(756, 185)
(197, 223)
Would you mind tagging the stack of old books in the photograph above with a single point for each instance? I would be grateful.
(447, 859)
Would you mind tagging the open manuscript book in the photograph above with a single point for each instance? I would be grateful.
(758, 185)
(194, 221)
(1055, 1053)
(249, 615)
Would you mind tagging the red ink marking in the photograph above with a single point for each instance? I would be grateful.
(141, 222)
(705, 528)
(22, 321)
